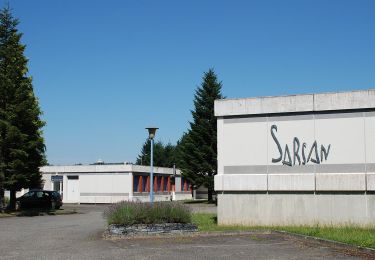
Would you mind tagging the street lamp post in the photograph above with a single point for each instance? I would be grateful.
(151, 135)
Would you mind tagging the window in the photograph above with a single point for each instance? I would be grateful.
(39, 194)
(29, 194)
(135, 183)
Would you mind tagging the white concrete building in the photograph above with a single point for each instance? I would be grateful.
(301, 159)
(109, 183)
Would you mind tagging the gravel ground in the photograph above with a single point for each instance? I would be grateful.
(79, 236)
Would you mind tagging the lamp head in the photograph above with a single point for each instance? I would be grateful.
(151, 132)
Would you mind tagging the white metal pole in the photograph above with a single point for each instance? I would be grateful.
(152, 173)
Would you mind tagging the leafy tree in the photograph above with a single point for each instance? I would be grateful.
(163, 155)
(22, 149)
(197, 150)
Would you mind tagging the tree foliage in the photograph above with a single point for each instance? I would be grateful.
(164, 155)
(22, 149)
(197, 149)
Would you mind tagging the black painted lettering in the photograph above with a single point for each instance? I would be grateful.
(274, 127)
(286, 152)
(324, 153)
(314, 147)
(295, 151)
(303, 154)
(313, 155)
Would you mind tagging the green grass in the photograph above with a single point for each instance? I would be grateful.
(364, 237)
(198, 202)
(44, 212)
(37, 212)
(207, 222)
(359, 236)
(65, 212)
(5, 215)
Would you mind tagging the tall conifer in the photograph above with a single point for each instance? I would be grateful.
(22, 149)
(197, 150)
(163, 154)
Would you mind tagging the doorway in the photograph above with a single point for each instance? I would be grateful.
(73, 189)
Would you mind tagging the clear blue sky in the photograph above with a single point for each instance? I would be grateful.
(104, 70)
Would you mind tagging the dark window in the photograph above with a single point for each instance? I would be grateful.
(144, 188)
(166, 183)
(29, 194)
(74, 177)
(159, 183)
(135, 183)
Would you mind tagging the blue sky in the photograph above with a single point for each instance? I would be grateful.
(105, 70)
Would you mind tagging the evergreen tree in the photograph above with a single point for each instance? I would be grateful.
(22, 149)
(197, 151)
(163, 155)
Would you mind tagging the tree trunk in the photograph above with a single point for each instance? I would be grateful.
(12, 202)
(210, 197)
(2, 205)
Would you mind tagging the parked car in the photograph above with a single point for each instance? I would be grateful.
(40, 199)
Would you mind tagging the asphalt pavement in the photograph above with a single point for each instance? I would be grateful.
(80, 236)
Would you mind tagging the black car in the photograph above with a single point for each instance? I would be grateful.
(40, 199)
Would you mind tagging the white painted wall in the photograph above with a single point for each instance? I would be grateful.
(105, 183)
(105, 188)
(248, 142)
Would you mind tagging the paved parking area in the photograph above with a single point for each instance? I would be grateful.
(79, 236)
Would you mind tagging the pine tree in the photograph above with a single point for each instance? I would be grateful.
(197, 150)
(22, 149)
(163, 155)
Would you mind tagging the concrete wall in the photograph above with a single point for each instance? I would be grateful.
(254, 135)
(296, 209)
(145, 197)
(201, 193)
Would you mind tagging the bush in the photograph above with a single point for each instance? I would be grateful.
(6, 201)
(129, 213)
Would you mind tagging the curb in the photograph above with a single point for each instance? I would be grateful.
(106, 234)
(328, 241)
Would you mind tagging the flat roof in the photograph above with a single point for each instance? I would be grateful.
(108, 168)
(359, 99)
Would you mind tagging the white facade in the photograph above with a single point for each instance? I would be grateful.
(297, 159)
(109, 183)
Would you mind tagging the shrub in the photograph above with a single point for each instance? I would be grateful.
(129, 213)
(6, 201)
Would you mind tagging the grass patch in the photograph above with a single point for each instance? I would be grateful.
(207, 222)
(359, 236)
(65, 212)
(129, 213)
(364, 237)
(5, 215)
(34, 212)
(198, 202)
(37, 212)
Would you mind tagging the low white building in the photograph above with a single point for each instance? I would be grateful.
(109, 183)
